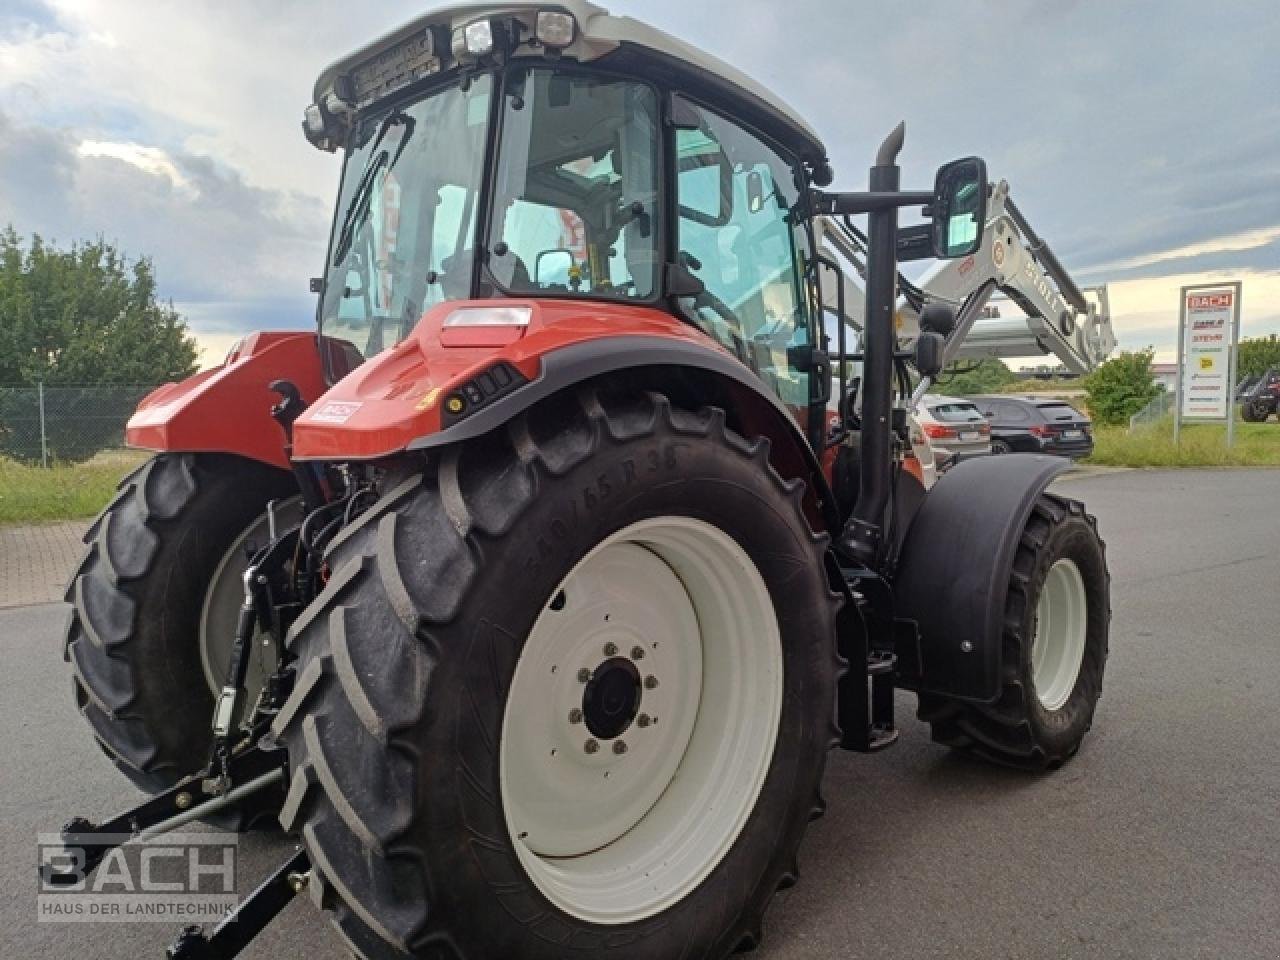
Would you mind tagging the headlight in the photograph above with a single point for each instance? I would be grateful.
(555, 28)
(313, 121)
(473, 40)
(338, 101)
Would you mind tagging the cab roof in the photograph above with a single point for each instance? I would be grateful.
(622, 42)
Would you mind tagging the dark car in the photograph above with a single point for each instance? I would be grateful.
(1036, 425)
(1259, 397)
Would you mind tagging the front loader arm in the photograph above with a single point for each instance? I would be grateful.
(1060, 319)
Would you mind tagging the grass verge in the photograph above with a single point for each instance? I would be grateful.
(64, 491)
(1202, 445)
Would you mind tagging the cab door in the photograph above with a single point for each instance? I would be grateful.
(740, 230)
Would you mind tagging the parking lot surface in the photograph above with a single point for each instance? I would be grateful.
(1160, 840)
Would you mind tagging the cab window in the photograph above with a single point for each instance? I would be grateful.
(740, 233)
(575, 207)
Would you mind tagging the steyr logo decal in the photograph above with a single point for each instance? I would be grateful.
(1042, 287)
(335, 411)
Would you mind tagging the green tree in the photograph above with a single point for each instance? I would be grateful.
(85, 316)
(967, 378)
(1257, 355)
(1121, 387)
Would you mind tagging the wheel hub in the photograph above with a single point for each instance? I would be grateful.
(611, 700)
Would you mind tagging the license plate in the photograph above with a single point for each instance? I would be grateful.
(1072, 434)
(970, 435)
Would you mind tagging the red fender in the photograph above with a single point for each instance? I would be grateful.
(228, 409)
(396, 397)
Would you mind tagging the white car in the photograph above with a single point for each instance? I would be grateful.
(954, 427)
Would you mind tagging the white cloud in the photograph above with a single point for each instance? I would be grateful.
(150, 160)
(1235, 243)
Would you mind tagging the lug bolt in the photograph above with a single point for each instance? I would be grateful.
(299, 881)
(619, 747)
(575, 715)
(182, 801)
(610, 649)
(591, 746)
(643, 721)
(584, 675)
(967, 646)
(650, 682)
(637, 653)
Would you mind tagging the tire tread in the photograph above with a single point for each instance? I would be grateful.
(351, 832)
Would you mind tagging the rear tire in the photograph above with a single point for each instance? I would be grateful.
(409, 665)
(1056, 625)
(132, 638)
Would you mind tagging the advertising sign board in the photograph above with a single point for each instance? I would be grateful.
(1207, 332)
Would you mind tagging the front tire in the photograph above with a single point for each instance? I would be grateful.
(1056, 625)
(443, 699)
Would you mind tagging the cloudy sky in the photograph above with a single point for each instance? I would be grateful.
(1141, 139)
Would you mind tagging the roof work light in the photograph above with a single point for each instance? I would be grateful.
(554, 28)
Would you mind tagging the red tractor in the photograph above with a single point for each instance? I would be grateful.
(532, 590)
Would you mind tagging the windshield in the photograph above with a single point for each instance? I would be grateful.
(575, 207)
(402, 236)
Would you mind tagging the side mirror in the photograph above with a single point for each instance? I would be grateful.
(959, 208)
(552, 266)
(928, 359)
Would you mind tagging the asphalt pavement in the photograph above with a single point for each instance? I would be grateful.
(1160, 840)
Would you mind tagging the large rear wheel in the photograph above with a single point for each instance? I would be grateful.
(156, 588)
(571, 691)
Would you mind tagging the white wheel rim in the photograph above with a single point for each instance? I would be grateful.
(613, 837)
(1062, 622)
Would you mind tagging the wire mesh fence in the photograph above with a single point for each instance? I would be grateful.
(1157, 410)
(45, 425)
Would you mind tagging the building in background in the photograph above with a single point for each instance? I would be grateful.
(1165, 375)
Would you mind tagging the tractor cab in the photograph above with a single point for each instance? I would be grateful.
(558, 153)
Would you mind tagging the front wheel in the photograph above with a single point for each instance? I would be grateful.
(571, 691)
(1056, 624)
